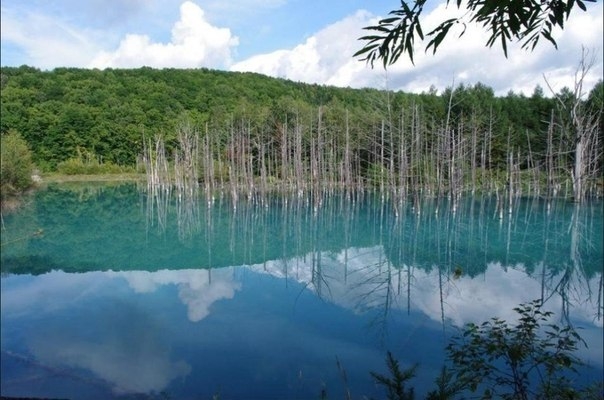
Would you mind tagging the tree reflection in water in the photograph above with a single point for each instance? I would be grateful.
(361, 252)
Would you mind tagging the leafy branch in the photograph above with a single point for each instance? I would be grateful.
(528, 360)
(523, 21)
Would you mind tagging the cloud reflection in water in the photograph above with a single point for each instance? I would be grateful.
(362, 272)
(125, 342)
(197, 288)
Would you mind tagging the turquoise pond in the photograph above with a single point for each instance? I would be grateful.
(109, 291)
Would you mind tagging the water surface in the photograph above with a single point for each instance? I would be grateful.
(109, 291)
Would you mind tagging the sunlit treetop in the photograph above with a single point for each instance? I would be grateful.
(523, 21)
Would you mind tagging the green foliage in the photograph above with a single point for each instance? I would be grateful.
(529, 360)
(516, 362)
(395, 383)
(446, 386)
(523, 21)
(109, 112)
(377, 174)
(86, 163)
(16, 165)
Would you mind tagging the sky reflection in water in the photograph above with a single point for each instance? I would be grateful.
(278, 327)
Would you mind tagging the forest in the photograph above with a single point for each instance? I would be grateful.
(249, 131)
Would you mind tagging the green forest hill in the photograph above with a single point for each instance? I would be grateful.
(104, 115)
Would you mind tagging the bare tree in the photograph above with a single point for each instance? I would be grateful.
(582, 125)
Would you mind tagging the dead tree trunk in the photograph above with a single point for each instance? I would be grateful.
(581, 125)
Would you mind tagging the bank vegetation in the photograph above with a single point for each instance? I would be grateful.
(247, 133)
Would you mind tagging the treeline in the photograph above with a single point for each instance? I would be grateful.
(251, 128)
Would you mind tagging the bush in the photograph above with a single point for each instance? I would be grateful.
(532, 359)
(16, 165)
(528, 360)
(86, 163)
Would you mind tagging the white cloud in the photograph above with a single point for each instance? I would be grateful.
(326, 57)
(45, 41)
(194, 43)
(470, 61)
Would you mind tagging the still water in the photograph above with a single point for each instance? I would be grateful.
(113, 292)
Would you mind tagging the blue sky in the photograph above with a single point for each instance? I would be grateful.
(303, 40)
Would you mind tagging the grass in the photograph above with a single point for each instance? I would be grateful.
(119, 177)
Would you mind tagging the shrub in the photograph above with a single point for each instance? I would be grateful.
(16, 165)
(395, 385)
(86, 163)
(532, 359)
(528, 360)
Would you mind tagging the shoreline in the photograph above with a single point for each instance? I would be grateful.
(62, 178)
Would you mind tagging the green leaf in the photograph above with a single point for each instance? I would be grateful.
(504, 45)
(549, 37)
(365, 50)
(389, 20)
(418, 29)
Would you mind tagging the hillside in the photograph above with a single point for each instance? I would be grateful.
(67, 113)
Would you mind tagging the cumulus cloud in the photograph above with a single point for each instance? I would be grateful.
(326, 57)
(468, 60)
(47, 41)
(194, 43)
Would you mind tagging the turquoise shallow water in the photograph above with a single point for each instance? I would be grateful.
(108, 291)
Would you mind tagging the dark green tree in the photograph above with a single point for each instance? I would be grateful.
(15, 165)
